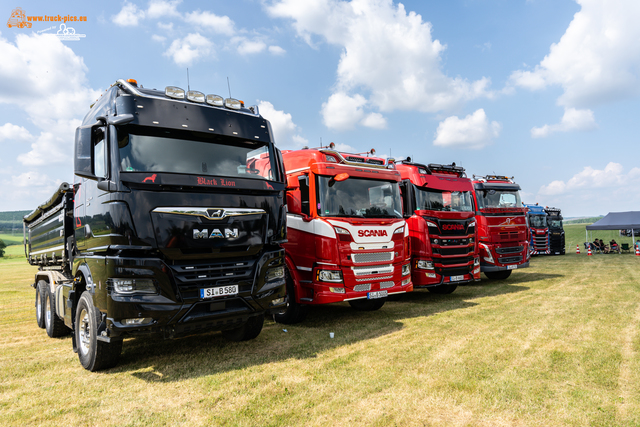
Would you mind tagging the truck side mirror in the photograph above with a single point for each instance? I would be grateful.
(82, 152)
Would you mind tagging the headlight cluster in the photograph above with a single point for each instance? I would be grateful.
(133, 286)
(406, 270)
(333, 276)
(424, 265)
(274, 273)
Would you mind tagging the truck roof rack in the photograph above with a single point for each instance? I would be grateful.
(357, 159)
(436, 167)
(488, 178)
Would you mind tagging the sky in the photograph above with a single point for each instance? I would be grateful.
(546, 91)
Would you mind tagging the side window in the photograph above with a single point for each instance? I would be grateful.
(304, 194)
(99, 154)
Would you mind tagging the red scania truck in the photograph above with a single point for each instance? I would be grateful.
(438, 206)
(501, 220)
(347, 238)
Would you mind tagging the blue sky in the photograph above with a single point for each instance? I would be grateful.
(546, 91)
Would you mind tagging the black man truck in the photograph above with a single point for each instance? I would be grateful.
(168, 230)
(556, 231)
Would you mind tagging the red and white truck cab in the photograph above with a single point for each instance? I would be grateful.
(438, 206)
(347, 238)
(502, 226)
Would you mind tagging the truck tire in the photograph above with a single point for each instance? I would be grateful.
(250, 330)
(367, 304)
(94, 355)
(294, 312)
(442, 289)
(41, 288)
(53, 324)
(498, 275)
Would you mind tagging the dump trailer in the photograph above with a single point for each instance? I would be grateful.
(538, 229)
(556, 231)
(440, 214)
(347, 239)
(501, 221)
(169, 229)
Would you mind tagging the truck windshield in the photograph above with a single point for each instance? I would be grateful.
(222, 157)
(538, 221)
(555, 223)
(358, 197)
(450, 201)
(498, 199)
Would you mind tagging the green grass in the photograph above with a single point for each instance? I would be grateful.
(557, 344)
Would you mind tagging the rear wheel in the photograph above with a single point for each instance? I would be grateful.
(294, 312)
(367, 304)
(498, 275)
(250, 330)
(53, 324)
(94, 355)
(41, 288)
(442, 289)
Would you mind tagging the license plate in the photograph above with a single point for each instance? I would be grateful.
(557, 253)
(219, 291)
(511, 267)
(456, 278)
(376, 294)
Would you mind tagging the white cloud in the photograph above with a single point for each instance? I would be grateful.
(572, 120)
(211, 21)
(375, 121)
(612, 176)
(157, 38)
(160, 8)
(35, 77)
(285, 132)
(342, 112)
(596, 60)
(277, 50)
(345, 148)
(474, 131)
(129, 15)
(165, 26)
(388, 56)
(189, 49)
(248, 47)
(10, 132)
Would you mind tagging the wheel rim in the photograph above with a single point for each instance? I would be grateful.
(47, 316)
(84, 332)
(38, 306)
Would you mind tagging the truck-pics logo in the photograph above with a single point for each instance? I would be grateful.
(18, 19)
(215, 233)
(372, 233)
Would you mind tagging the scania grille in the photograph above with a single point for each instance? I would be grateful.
(454, 271)
(510, 250)
(377, 278)
(374, 269)
(190, 277)
(360, 258)
(510, 260)
(453, 261)
(453, 251)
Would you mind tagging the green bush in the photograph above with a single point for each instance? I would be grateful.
(2, 246)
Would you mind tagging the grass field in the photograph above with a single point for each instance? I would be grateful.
(557, 344)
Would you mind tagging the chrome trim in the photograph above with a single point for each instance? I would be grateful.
(204, 212)
(347, 162)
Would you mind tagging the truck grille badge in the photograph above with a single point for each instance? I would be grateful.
(215, 233)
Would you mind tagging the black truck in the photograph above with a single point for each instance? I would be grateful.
(556, 231)
(172, 227)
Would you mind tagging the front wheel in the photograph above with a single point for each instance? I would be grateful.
(442, 289)
(94, 355)
(294, 312)
(367, 304)
(250, 330)
(498, 275)
(41, 289)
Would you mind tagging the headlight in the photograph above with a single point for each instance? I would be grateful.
(431, 224)
(341, 230)
(424, 265)
(134, 286)
(406, 270)
(399, 230)
(274, 273)
(490, 257)
(333, 276)
(476, 261)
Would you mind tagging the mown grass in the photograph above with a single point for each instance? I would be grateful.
(556, 344)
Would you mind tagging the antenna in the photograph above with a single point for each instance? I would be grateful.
(188, 88)
(320, 141)
(229, 86)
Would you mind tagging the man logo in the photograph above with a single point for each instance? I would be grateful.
(215, 233)
(215, 213)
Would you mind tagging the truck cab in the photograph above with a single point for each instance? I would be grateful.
(539, 230)
(501, 221)
(170, 228)
(556, 231)
(347, 238)
(440, 214)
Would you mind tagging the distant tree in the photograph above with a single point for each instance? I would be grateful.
(2, 246)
